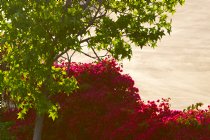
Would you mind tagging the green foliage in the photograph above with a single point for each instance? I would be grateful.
(35, 33)
(1, 80)
(194, 107)
(4, 132)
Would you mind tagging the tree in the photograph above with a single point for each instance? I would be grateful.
(36, 33)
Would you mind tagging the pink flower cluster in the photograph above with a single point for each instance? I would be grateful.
(107, 106)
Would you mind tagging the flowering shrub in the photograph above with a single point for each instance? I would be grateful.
(155, 121)
(104, 101)
(107, 106)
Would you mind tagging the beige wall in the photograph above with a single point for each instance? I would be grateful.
(180, 67)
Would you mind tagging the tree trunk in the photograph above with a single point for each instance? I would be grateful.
(38, 127)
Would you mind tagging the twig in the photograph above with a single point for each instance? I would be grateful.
(99, 59)
(92, 20)
(84, 30)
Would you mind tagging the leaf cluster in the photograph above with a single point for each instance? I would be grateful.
(36, 33)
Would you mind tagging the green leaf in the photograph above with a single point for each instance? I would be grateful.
(34, 33)
(53, 112)
(20, 115)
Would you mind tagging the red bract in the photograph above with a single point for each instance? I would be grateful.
(107, 106)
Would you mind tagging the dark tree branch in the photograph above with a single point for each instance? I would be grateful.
(87, 55)
(67, 49)
(92, 20)
(68, 4)
(85, 5)
(85, 29)
(71, 56)
(99, 59)
(69, 60)
(85, 40)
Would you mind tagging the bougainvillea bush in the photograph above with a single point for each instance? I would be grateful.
(107, 106)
